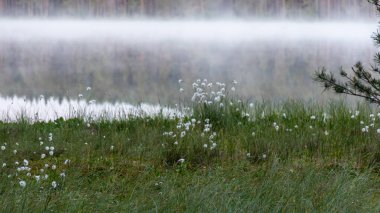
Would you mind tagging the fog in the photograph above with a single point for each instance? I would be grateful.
(142, 60)
(180, 31)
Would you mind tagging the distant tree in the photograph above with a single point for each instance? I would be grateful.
(363, 82)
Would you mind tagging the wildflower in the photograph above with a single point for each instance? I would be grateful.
(47, 148)
(378, 131)
(264, 156)
(234, 82)
(46, 177)
(51, 148)
(14, 151)
(361, 122)
(312, 117)
(22, 183)
(88, 124)
(54, 184)
(88, 88)
(54, 167)
(42, 170)
(181, 160)
(4, 165)
(233, 89)
(296, 126)
(248, 155)
(51, 153)
(28, 174)
(213, 146)
(3, 148)
(41, 143)
(67, 161)
(183, 134)
(176, 143)
(326, 133)
(205, 146)
(181, 90)
(62, 175)
(80, 96)
(277, 128)
(180, 81)
(50, 136)
(16, 163)
(37, 177)
(111, 148)
(43, 156)
(251, 105)
(26, 163)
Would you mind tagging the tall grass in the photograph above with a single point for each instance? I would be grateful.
(263, 157)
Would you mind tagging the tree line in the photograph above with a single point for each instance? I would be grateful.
(186, 8)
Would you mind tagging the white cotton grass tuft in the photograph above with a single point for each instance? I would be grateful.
(22, 183)
(54, 184)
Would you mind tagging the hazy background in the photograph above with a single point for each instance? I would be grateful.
(136, 50)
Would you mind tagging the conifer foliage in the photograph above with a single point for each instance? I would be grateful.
(362, 82)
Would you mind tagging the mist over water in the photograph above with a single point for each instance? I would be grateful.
(142, 60)
(182, 31)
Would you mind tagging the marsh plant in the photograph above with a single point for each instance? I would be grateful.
(221, 153)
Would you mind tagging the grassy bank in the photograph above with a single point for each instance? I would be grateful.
(229, 157)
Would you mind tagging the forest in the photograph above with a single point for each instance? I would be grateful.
(314, 9)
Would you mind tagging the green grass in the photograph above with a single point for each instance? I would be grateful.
(287, 170)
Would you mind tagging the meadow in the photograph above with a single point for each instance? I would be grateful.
(220, 154)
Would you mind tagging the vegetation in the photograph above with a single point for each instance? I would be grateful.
(221, 155)
(364, 83)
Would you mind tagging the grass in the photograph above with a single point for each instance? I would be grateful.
(288, 157)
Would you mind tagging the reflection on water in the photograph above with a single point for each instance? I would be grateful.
(142, 61)
(16, 108)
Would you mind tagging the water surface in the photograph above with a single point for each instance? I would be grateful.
(136, 61)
